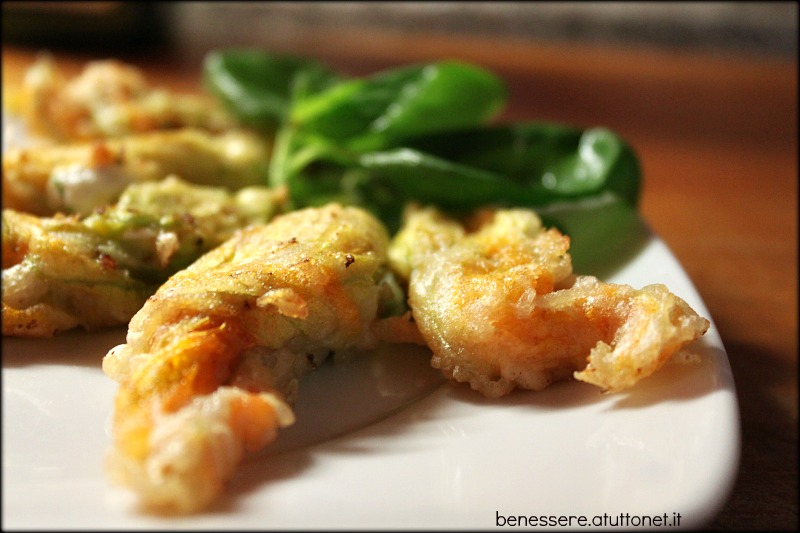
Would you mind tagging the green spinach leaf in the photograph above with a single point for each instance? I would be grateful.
(422, 134)
(260, 88)
(380, 111)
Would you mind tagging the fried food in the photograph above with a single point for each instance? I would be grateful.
(96, 271)
(213, 360)
(76, 178)
(107, 99)
(501, 308)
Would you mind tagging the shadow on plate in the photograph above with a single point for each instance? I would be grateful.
(74, 348)
(346, 418)
(691, 373)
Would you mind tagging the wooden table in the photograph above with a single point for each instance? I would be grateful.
(717, 137)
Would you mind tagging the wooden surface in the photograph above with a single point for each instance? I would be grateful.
(717, 137)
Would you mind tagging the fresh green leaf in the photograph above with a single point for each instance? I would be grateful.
(552, 161)
(422, 134)
(377, 112)
(417, 176)
(259, 88)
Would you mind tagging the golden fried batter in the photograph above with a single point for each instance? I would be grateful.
(96, 271)
(213, 359)
(501, 308)
(78, 177)
(107, 99)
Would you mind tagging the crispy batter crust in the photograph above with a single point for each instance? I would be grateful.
(501, 308)
(213, 360)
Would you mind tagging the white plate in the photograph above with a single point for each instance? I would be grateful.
(382, 443)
